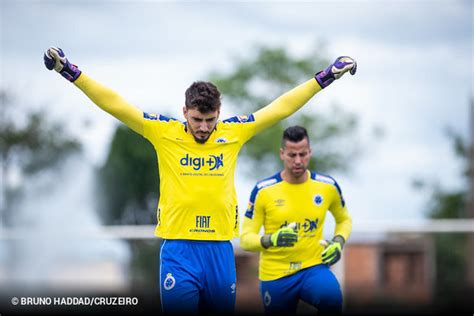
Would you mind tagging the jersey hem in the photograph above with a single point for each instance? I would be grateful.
(165, 236)
(286, 275)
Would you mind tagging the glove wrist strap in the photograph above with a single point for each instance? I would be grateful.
(325, 77)
(70, 72)
(266, 241)
(340, 240)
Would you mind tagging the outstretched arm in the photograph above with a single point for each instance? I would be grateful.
(111, 102)
(294, 99)
(103, 97)
(285, 105)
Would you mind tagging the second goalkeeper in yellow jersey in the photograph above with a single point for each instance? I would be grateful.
(292, 206)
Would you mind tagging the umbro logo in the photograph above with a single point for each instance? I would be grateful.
(279, 202)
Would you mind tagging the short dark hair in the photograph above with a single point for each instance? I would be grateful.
(204, 96)
(294, 134)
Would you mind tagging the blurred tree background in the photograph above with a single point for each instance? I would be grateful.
(450, 248)
(29, 144)
(258, 80)
(129, 186)
(128, 181)
(129, 178)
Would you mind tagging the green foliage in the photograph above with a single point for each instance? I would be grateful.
(451, 265)
(129, 180)
(29, 143)
(34, 145)
(448, 204)
(256, 81)
(145, 262)
(451, 254)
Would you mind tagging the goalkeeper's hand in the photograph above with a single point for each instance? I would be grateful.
(333, 250)
(54, 58)
(335, 71)
(284, 237)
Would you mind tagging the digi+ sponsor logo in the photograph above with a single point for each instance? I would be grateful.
(214, 162)
(308, 225)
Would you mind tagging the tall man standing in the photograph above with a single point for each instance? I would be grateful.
(197, 212)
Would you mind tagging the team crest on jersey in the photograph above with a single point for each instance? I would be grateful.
(232, 287)
(267, 299)
(221, 140)
(169, 282)
(318, 199)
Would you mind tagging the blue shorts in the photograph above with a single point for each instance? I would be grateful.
(315, 285)
(197, 277)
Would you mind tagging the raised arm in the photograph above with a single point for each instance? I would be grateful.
(294, 99)
(103, 97)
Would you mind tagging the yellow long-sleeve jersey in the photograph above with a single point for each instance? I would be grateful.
(197, 192)
(198, 199)
(275, 203)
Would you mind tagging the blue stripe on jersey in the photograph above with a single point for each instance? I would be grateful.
(276, 178)
(240, 119)
(152, 117)
(166, 119)
(330, 180)
(157, 117)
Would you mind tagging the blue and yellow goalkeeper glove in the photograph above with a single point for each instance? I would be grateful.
(335, 71)
(284, 237)
(54, 58)
(333, 250)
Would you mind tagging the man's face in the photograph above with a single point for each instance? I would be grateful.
(295, 157)
(199, 124)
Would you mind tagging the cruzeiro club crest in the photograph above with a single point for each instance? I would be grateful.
(267, 299)
(169, 282)
(318, 199)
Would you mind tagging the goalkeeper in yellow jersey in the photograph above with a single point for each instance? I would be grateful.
(197, 212)
(292, 207)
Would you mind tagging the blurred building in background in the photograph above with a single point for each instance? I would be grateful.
(383, 267)
(399, 269)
